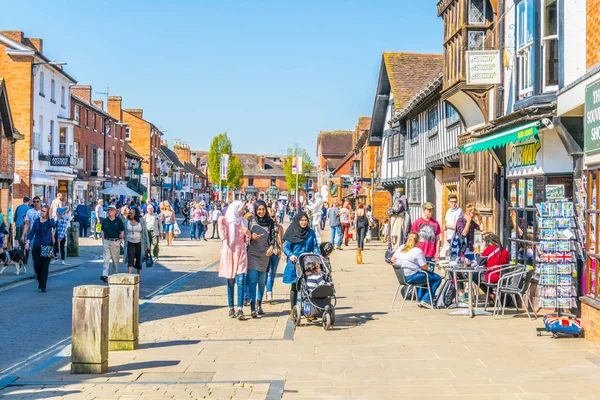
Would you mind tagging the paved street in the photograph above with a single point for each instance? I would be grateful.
(38, 321)
(190, 349)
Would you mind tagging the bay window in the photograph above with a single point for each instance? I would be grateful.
(549, 45)
(477, 12)
(525, 55)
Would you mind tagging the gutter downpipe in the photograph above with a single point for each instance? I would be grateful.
(499, 111)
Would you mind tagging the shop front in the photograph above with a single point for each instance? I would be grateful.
(42, 184)
(80, 191)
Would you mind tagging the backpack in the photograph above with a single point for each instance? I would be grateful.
(447, 294)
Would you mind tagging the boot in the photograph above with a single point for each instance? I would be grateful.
(359, 258)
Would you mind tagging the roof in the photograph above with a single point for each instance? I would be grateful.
(335, 142)
(364, 123)
(409, 72)
(191, 168)
(362, 132)
(430, 88)
(93, 106)
(250, 163)
(130, 151)
(342, 162)
(171, 156)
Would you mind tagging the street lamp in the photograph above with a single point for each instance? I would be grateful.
(159, 178)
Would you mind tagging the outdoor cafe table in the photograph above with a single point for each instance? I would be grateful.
(470, 311)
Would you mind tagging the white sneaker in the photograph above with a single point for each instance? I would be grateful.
(425, 304)
(64, 263)
(270, 297)
(54, 261)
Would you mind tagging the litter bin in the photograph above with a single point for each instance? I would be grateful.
(375, 229)
(73, 240)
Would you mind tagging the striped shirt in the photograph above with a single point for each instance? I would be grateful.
(314, 280)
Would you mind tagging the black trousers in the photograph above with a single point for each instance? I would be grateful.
(40, 265)
(83, 227)
(293, 294)
(134, 255)
(361, 232)
(60, 244)
(214, 223)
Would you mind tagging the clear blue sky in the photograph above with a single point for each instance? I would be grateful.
(269, 72)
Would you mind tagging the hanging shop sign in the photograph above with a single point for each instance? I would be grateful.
(592, 118)
(80, 186)
(483, 67)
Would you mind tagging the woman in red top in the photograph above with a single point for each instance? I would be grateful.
(497, 257)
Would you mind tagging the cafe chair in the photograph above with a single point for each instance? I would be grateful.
(411, 287)
(514, 284)
(491, 287)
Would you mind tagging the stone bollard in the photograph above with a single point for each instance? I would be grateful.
(123, 311)
(89, 350)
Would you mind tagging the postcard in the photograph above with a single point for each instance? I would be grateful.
(548, 302)
(563, 269)
(548, 280)
(564, 280)
(564, 302)
(547, 234)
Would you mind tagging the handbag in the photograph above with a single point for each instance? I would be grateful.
(149, 261)
(47, 251)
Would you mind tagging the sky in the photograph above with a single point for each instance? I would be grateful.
(271, 73)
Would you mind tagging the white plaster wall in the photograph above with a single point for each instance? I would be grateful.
(574, 39)
(509, 56)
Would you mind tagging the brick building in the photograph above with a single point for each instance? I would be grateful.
(195, 180)
(8, 137)
(144, 137)
(332, 148)
(99, 145)
(40, 102)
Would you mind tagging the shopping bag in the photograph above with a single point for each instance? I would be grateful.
(176, 230)
(98, 227)
(149, 260)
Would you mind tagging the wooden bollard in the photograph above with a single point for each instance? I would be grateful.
(123, 314)
(89, 350)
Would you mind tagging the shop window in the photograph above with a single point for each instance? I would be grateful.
(550, 44)
(62, 142)
(525, 57)
(414, 191)
(590, 275)
(477, 12)
(432, 120)
(414, 130)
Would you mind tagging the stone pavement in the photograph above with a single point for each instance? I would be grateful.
(189, 349)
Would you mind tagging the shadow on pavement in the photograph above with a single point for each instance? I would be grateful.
(28, 392)
(143, 365)
(167, 344)
(354, 320)
(157, 311)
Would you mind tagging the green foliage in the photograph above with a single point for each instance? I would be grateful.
(307, 165)
(235, 174)
(219, 145)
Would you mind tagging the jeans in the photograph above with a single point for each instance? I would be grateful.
(83, 227)
(202, 229)
(419, 278)
(336, 230)
(256, 278)
(61, 244)
(361, 232)
(240, 279)
(192, 230)
(112, 250)
(41, 266)
(215, 230)
(272, 272)
(199, 229)
(345, 232)
(323, 220)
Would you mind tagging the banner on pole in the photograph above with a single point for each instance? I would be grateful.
(297, 165)
(224, 166)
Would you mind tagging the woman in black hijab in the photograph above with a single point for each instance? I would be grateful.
(298, 239)
(262, 242)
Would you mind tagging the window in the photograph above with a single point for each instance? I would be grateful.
(550, 45)
(51, 137)
(127, 133)
(52, 91)
(42, 84)
(432, 120)
(391, 139)
(76, 150)
(273, 182)
(95, 123)
(414, 130)
(115, 167)
(39, 135)
(310, 183)
(398, 145)
(62, 142)
(76, 115)
(476, 40)
(103, 126)
(250, 181)
(62, 96)
(87, 118)
(86, 157)
(94, 159)
(452, 116)
(525, 57)
(477, 12)
(414, 191)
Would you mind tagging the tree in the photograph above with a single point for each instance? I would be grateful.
(235, 174)
(307, 165)
(219, 145)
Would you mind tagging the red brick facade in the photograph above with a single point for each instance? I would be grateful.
(593, 32)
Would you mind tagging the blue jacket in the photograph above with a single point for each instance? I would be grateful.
(309, 245)
(41, 233)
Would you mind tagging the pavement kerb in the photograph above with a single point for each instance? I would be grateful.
(53, 272)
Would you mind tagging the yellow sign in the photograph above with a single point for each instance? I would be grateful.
(524, 155)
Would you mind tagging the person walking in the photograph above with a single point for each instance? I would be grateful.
(204, 220)
(324, 215)
(315, 209)
(298, 239)
(57, 203)
(112, 233)
(136, 241)
(429, 232)
(60, 234)
(41, 240)
(333, 216)
(168, 219)
(262, 242)
(361, 222)
(234, 233)
(154, 228)
(275, 257)
(19, 218)
(214, 215)
(345, 220)
(83, 218)
(32, 215)
(99, 217)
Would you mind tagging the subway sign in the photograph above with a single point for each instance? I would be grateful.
(524, 155)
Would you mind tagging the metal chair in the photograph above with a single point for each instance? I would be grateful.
(412, 287)
(491, 287)
(515, 284)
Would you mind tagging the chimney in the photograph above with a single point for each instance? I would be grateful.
(17, 36)
(98, 103)
(183, 151)
(164, 142)
(114, 107)
(261, 162)
(84, 92)
(35, 43)
(137, 112)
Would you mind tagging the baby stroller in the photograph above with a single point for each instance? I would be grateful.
(318, 303)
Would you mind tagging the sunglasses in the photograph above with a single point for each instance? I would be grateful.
(36, 201)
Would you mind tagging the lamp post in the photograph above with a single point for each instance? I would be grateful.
(159, 178)
(372, 186)
(306, 175)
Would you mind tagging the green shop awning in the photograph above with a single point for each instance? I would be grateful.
(501, 139)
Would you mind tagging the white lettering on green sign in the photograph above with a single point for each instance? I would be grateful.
(592, 118)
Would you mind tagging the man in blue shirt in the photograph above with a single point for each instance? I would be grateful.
(20, 217)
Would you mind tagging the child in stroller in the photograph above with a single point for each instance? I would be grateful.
(316, 303)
